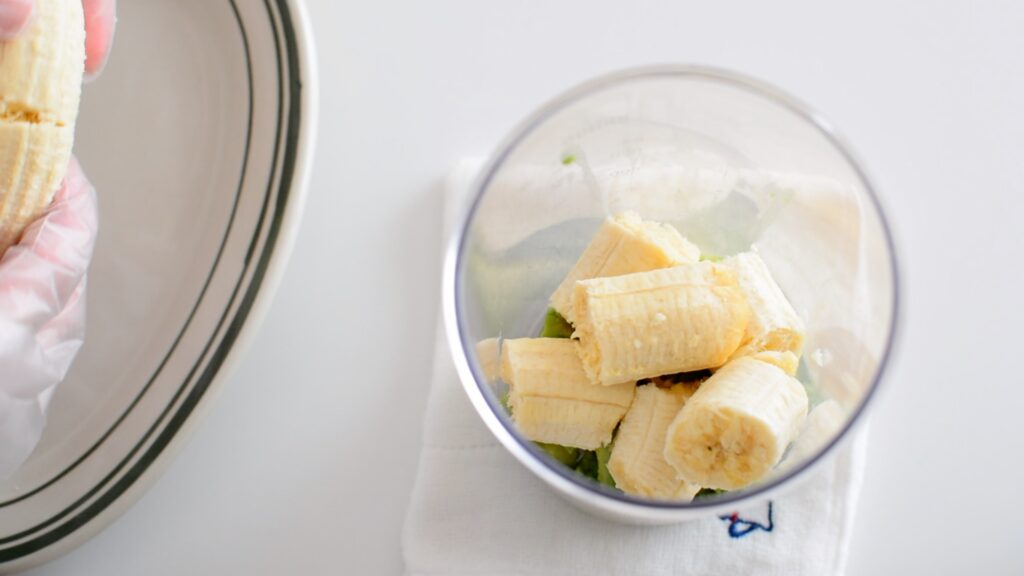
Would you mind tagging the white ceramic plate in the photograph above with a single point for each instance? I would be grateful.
(198, 137)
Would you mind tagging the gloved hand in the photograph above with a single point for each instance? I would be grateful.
(43, 277)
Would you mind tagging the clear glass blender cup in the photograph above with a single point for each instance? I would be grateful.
(734, 164)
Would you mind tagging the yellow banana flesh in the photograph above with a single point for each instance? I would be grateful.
(624, 244)
(487, 354)
(40, 84)
(551, 398)
(822, 425)
(774, 324)
(737, 425)
(638, 463)
(785, 360)
(647, 324)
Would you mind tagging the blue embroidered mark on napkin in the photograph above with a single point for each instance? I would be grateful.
(740, 527)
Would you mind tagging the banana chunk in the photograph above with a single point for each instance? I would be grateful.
(638, 462)
(737, 425)
(487, 353)
(647, 324)
(624, 244)
(774, 324)
(551, 398)
(823, 423)
(786, 360)
(40, 84)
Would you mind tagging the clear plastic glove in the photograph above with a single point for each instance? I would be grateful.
(43, 277)
(42, 313)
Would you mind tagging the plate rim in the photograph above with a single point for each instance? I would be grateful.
(298, 61)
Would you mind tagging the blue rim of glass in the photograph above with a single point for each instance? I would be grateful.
(615, 79)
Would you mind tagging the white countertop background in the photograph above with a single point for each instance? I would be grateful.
(305, 464)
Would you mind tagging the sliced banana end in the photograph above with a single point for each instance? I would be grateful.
(737, 425)
(724, 449)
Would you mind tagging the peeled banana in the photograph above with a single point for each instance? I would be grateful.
(774, 324)
(487, 354)
(647, 324)
(40, 84)
(737, 425)
(551, 398)
(625, 243)
(638, 462)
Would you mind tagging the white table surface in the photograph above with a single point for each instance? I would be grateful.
(931, 97)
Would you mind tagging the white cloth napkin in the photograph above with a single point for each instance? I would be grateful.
(475, 511)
